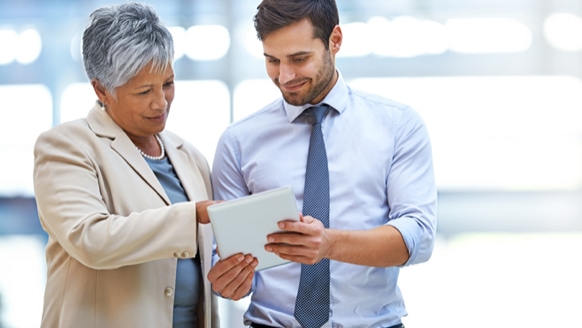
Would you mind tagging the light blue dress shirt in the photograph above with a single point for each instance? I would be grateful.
(381, 173)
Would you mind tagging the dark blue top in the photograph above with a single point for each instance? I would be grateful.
(188, 274)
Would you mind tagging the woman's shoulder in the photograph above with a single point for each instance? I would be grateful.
(71, 129)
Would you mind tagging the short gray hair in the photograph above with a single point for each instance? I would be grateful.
(120, 41)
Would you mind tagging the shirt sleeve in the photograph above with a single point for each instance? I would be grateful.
(227, 180)
(412, 192)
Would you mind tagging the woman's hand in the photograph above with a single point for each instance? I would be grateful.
(202, 210)
(232, 277)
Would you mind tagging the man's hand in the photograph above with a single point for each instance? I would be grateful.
(303, 241)
(233, 277)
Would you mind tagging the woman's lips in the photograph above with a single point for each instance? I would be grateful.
(159, 118)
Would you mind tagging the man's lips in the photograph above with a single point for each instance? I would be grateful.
(290, 87)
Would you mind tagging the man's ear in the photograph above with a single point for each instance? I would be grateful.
(335, 39)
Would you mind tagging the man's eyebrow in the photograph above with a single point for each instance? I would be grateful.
(300, 53)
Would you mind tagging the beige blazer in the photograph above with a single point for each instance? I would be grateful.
(113, 238)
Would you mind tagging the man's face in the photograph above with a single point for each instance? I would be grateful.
(299, 64)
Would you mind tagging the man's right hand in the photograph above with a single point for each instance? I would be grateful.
(233, 277)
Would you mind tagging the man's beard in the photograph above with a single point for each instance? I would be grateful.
(322, 80)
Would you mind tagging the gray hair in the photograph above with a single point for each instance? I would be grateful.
(120, 41)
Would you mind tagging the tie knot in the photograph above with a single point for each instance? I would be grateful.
(318, 113)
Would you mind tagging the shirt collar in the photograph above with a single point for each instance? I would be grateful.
(337, 98)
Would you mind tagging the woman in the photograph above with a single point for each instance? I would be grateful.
(123, 201)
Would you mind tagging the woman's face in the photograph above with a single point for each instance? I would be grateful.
(143, 103)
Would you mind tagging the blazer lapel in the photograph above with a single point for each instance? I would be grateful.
(185, 169)
(103, 126)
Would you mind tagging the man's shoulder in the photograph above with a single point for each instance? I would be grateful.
(375, 99)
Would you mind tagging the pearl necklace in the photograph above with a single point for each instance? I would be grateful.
(155, 158)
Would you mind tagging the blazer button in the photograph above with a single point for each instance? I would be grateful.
(169, 291)
(177, 254)
(185, 254)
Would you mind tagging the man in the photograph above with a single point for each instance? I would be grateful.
(380, 194)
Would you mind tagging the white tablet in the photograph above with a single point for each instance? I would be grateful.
(242, 225)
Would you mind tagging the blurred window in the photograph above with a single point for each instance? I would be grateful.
(497, 133)
(27, 111)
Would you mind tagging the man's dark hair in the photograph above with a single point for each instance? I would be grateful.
(275, 14)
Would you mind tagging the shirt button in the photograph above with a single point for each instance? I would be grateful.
(185, 255)
(169, 291)
(176, 254)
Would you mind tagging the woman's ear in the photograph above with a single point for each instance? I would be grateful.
(100, 90)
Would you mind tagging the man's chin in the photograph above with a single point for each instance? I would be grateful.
(293, 99)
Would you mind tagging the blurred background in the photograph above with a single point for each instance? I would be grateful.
(498, 83)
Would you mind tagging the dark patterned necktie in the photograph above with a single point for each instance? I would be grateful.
(312, 303)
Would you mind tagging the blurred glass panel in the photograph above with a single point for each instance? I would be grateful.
(29, 109)
(487, 35)
(9, 41)
(497, 133)
(24, 46)
(357, 40)
(199, 113)
(248, 35)
(76, 101)
(207, 42)
(564, 31)
(497, 280)
(29, 46)
(406, 36)
(180, 41)
(75, 47)
(23, 280)
(252, 95)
